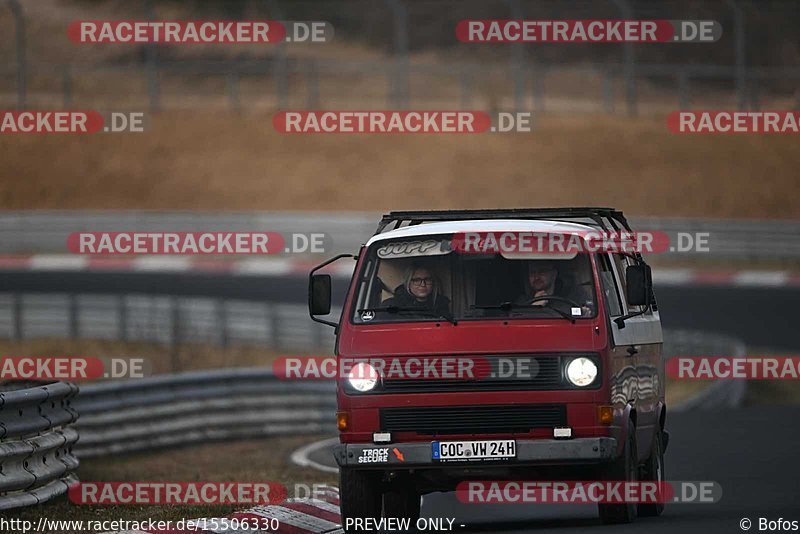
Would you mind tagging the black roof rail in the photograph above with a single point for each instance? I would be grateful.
(605, 218)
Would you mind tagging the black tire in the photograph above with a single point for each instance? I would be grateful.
(402, 502)
(623, 468)
(653, 471)
(359, 494)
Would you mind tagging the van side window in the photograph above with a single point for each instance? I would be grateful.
(609, 286)
(622, 262)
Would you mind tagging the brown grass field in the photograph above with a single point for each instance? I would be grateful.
(223, 161)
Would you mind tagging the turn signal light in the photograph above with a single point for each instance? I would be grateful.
(605, 414)
(342, 421)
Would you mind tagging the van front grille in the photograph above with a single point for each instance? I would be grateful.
(493, 419)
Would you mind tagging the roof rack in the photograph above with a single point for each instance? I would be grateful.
(605, 218)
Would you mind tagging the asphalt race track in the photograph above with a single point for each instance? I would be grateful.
(750, 452)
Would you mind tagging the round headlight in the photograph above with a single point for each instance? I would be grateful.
(362, 377)
(581, 371)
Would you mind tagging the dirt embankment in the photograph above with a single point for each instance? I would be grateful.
(229, 162)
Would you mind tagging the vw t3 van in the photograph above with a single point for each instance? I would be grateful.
(588, 403)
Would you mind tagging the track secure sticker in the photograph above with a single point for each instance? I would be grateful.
(374, 456)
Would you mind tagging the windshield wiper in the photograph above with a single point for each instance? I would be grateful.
(411, 309)
(508, 306)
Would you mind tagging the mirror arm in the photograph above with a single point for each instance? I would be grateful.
(311, 274)
(620, 321)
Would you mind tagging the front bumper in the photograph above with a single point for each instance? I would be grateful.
(529, 452)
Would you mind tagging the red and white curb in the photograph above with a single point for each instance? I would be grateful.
(300, 267)
(319, 515)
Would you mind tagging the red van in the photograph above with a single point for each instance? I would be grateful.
(590, 405)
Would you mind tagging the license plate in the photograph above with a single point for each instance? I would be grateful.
(499, 449)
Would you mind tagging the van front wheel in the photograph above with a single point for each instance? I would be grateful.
(359, 494)
(624, 468)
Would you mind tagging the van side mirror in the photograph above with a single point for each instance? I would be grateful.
(639, 285)
(319, 294)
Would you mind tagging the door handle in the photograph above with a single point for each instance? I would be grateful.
(632, 350)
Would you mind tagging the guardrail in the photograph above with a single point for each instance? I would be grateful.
(36, 442)
(722, 393)
(199, 407)
(162, 319)
(117, 417)
(23, 232)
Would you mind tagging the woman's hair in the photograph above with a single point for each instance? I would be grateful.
(409, 274)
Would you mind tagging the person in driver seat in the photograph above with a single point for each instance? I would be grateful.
(420, 289)
(543, 281)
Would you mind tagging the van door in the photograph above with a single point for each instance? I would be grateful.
(640, 342)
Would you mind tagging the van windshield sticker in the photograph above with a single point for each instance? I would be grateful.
(407, 249)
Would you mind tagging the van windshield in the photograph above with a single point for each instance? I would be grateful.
(422, 279)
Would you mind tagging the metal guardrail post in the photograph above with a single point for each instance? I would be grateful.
(22, 63)
(176, 333)
(274, 325)
(122, 318)
(16, 316)
(222, 319)
(74, 316)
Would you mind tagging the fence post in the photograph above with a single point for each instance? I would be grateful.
(312, 84)
(683, 89)
(517, 60)
(538, 88)
(22, 63)
(151, 60)
(280, 63)
(608, 90)
(233, 90)
(465, 84)
(741, 66)
(66, 86)
(629, 61)
(399, 86)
